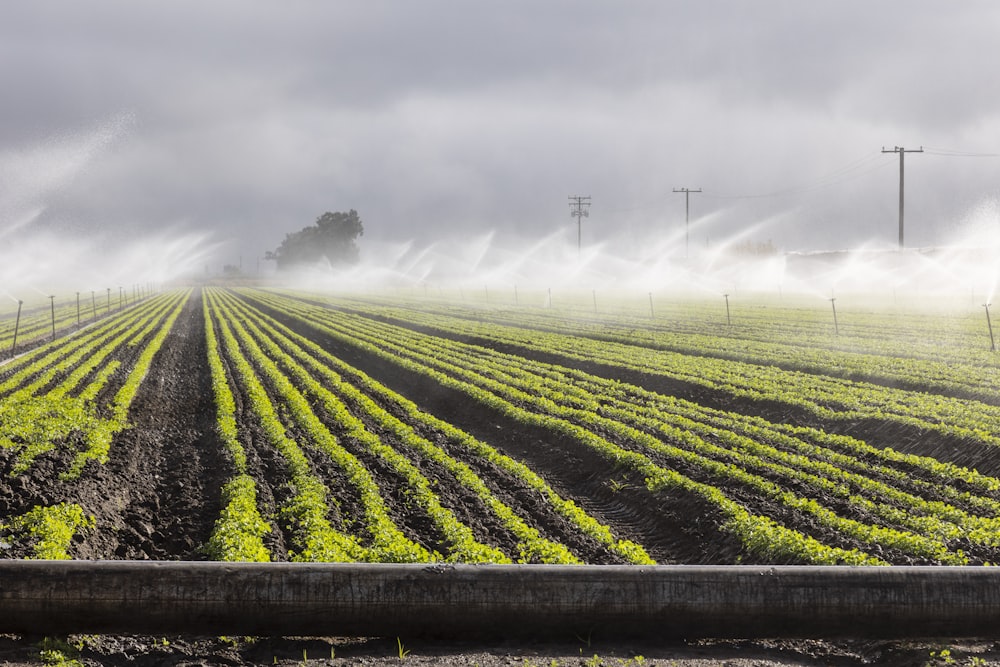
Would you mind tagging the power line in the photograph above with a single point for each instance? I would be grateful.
(902, 151)
(854, 169)
(946, 152)
(579, 213)
(848, 172)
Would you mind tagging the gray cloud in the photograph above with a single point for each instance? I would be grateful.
(440, 119)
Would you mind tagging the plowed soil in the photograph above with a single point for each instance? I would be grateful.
(158, 497)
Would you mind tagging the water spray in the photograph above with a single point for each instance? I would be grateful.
(729, 321)
(17, 324)
(993, 346)
(833, 304)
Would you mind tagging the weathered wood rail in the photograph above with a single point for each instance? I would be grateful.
(210, 598)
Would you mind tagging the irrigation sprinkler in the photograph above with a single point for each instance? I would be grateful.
(515, 295)
(595, 301)
(729, 321)
(486, 291)
(993, 346)
(119, 297)
(93, 303)
(17, 324)
(550, 297)
(77, 309)
(52, 306)
(833, 304)
(650, 305)
(109, 299)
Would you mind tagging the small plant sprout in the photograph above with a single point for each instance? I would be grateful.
(401, 651)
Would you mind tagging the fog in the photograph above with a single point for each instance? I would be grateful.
(149, 142)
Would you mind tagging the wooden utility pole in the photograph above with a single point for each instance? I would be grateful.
(902, 151)
(687, 214)
(579, 206)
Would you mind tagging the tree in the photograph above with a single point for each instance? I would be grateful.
(331, 240)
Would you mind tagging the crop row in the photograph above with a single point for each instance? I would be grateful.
(73, 394)
(882, 357)
(27, 326)
(824, 396)
(622, 444)
(294, 387)
(910, 503)
(955, 334)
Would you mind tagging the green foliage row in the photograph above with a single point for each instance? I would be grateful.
(877, 357)
(532, 547)
(49, 529)
(388, 544)
(823, 395)
(37, 323)
(735, 458)
(98, 441)
(41, 366)
(761, 536)
(714, 473)
(238, 532)
(45, 404)
(462, 545)
(312, 536)
(328, 367)
(955, 335)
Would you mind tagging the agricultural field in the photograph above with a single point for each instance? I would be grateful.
(253, 424)
(250, 424)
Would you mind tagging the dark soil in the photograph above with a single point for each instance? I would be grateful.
(138, 651)
(661, 523)
(674, 527)
(158, 496)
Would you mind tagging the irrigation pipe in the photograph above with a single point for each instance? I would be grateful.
(466, 601)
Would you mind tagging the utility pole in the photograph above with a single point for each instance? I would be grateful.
(577, 204)
(687, 214)
(902, 151)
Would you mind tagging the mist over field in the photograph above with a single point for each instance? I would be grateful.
(147, 143)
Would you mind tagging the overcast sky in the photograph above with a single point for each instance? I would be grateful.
(442, 120)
